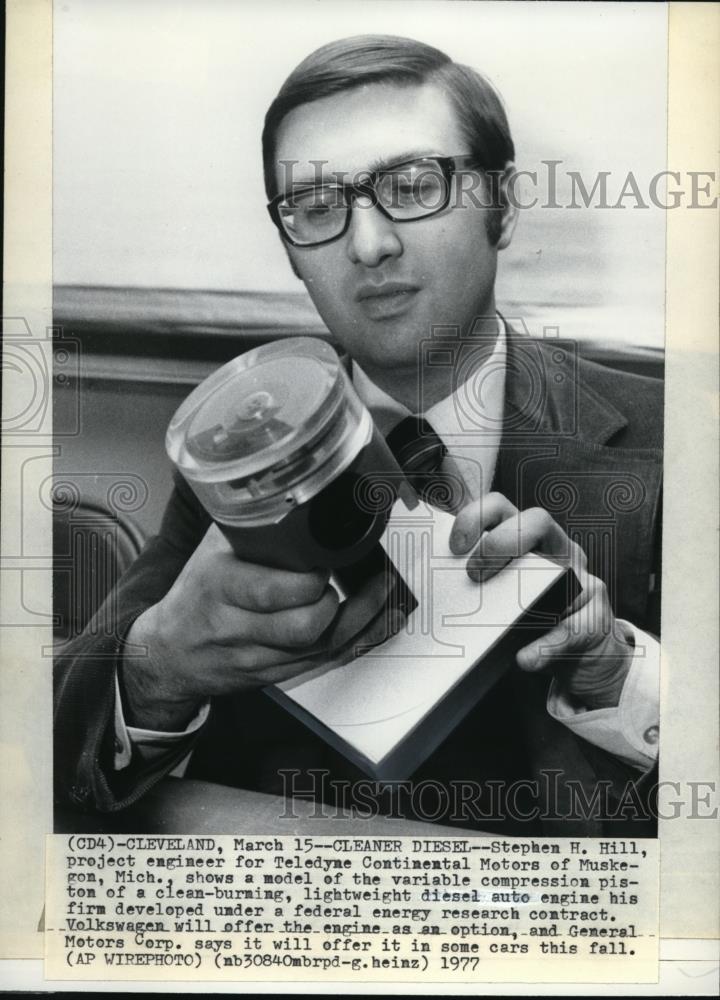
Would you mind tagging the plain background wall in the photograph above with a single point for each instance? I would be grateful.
(158, 109)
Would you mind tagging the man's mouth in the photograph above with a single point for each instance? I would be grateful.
(386, 299)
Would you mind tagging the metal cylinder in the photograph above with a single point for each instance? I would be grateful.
(283, 455)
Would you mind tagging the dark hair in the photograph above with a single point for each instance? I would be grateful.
(351, 62)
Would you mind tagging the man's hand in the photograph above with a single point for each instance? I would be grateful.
(589, 648)
(227, 625)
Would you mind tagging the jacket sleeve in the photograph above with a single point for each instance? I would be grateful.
(86, 667)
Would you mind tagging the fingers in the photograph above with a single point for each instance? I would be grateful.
(216, 572)
(278, 672)
(293, 628)
(501, 533)
(591, 589)
(477, 517)
(570, 638)
(322, 628)
(264, 590)
(251, 667)
(363, 621)
(595, 663)
(271, 666)
(584, 630)
(533, 530)
(381, 628)
(357, 613)
(363, 617)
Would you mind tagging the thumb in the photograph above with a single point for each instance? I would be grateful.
(569, 639)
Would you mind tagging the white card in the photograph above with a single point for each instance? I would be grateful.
(374, 702)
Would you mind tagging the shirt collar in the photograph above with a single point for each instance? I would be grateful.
(447, 417)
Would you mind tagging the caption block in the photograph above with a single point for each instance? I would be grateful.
(352, 909)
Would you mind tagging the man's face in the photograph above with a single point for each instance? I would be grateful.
(442, 268)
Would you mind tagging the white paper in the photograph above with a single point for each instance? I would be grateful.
(373, 702)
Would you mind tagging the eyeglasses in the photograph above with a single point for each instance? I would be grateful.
(313, 214)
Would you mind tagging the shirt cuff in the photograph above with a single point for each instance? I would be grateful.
(149, 743)
(630, 730)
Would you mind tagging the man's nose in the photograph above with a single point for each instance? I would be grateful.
(372, 237)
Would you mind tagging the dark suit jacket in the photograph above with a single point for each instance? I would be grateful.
(580, 440)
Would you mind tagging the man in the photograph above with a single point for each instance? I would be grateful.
(385, 268)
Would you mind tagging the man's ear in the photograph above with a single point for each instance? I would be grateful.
(508, 201)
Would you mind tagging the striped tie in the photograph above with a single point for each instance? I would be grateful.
(420, 452)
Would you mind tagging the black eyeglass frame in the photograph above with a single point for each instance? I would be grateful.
(449, 165)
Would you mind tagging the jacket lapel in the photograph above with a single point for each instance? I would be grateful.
(555, 453)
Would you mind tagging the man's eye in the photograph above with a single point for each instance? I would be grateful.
(411, 189)
(316, 216)
(313, 214)
(400, 185)
(404, 189)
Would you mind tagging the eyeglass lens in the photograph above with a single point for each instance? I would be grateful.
(410, 191)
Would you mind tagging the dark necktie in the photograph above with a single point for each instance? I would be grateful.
(419, 453)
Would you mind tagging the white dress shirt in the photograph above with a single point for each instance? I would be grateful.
(629, 730)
